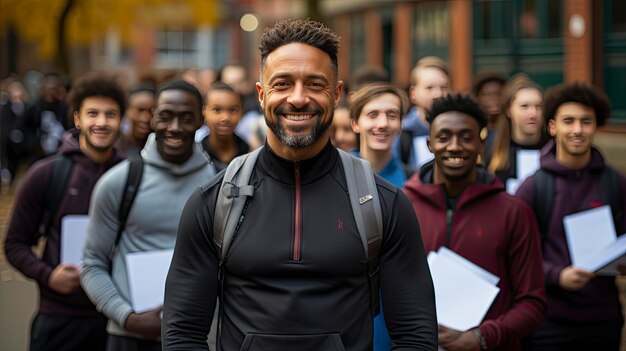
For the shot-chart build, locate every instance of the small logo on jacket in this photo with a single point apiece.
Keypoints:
(364, 199)
(339, 224)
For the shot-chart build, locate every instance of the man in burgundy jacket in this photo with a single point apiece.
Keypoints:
(584, 312)
(66, 319)
(466, 209)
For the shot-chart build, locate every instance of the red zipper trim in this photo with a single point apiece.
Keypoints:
(297, 235)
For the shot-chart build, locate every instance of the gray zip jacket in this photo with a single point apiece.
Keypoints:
(152, 225)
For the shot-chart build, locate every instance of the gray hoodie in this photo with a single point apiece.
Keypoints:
(152, 225)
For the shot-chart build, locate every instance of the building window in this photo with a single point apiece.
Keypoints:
(618, 23)
(492, 19)
(541, 19)
(357, 42)
(431, 29)
(176, 49)
(535, 19)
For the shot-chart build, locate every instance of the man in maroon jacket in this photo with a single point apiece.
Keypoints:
(66, 319)
(583, 308)
(466, 209)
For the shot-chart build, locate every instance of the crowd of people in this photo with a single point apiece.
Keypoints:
(283, 237)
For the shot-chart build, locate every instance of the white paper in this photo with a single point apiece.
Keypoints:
(511, 186)
(73, 237)
(420, 148)
(462, 298)
(476, 269)
(607, 256)
(588, 232)
(527, 163)
(146, 278)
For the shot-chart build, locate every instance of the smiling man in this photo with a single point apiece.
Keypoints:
(583, 309)
(296, 276)
(376, 112)
(174, 166)
(466, 209)
(66, 319)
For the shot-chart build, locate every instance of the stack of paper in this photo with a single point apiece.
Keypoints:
(73, 238)
(592, 242)
(463, 290)
(146, 278)
(528, 162)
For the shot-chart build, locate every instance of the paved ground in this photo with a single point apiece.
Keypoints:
(18, 297)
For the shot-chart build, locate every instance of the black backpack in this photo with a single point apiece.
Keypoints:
(58, 184)
(544, 197)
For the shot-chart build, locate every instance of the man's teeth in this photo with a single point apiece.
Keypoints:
(174, 140)
(298, 117)
(455, 159)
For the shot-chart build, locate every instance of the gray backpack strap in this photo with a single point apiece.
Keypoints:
(367, 212)
(232, 199)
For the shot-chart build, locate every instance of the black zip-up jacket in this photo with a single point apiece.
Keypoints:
(295, 274)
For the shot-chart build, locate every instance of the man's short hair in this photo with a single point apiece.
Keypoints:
(361, 97)
(459, 103)
(482, 79)
(184, 86)
(303, 31)
(578, 92)
(236, 65)
(368, 74)
(96, 84)
(221, 86)
(144, 88)
(429, 62)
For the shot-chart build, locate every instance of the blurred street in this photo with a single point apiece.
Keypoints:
(18, 296)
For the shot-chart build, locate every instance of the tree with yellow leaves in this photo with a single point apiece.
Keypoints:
(53, 25)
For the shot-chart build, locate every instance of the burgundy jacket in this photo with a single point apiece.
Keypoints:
(496, 232)
(575, 190)
(28, 209)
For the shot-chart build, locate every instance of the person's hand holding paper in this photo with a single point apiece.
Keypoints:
(147, 323)
(574, 278)
(593, 246)
(451, 340)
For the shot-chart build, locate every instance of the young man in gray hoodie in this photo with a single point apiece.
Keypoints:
(174, 166)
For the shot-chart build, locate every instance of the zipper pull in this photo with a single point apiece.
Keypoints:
(296, 164)
(449, 215)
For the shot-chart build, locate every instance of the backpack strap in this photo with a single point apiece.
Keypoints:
(230, 208)
(131, 187)
(613, 195)
(366, 209)
(57, 187)
(406, 144)
(231, 200)
(542, 202)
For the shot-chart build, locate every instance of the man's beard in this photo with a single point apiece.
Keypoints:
(298, 141)
(98, 148)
